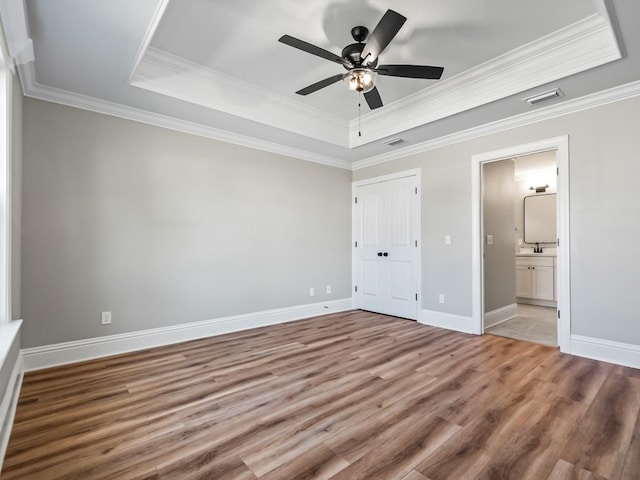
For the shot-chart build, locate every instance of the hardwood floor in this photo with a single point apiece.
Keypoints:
(345, 396)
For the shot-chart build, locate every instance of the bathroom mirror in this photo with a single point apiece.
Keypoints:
(540, 218)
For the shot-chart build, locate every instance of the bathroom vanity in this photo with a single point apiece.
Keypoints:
(536, 278)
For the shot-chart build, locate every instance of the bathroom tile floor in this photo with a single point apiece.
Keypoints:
(533, 324)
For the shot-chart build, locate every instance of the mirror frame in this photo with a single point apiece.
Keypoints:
(524, 220)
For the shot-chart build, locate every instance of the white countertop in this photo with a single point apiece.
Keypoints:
(543, 254)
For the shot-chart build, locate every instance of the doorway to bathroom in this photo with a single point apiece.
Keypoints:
(519, 222)
(520, 254)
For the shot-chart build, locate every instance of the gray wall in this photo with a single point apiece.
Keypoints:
(163, 228)
(499, 221)
(605, 205)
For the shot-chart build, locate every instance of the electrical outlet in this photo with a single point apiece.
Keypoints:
(312, 292)
(106, 318)
(328, 289)
(441, 298)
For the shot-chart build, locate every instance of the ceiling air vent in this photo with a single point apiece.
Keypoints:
(393, 142)
(544, 96)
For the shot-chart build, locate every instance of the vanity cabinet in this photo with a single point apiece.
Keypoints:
(535, 278)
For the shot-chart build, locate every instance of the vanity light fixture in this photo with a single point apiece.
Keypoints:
(539, 189)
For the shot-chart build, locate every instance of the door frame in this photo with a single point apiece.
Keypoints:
(417, 218)
(561, 146)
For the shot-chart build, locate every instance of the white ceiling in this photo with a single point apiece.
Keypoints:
(239, 38)
(216, 68)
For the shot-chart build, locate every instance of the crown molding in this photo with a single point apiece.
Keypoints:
(148, 36)
(590, 40)
(587, 102)
(578, 47)
(176, 77)
(19, 47)
(63, 97)
(598, 99)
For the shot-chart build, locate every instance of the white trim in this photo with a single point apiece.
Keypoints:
(6, 158)
(585, 44)
(9, 405)
(8, 333)
(500, 315)
(84, 102)
(597, 26)
(176, 77)
(148, 36)
(537, 302)
(561, 146)
(9, 400)
(563, 251)
(594, 100)
(415, 172)
(459, 323)
(606, 350)
(5, 58)
(69, 352)
(15, 25)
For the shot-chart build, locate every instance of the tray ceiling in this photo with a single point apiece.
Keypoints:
(216, 68)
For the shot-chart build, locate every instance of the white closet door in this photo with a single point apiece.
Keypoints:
(387, 257)
(370, 205)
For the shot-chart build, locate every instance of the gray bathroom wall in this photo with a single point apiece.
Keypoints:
(499, 222)
(163, 228)
(604, 205)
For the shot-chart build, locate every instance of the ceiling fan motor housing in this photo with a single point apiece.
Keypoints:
(360, 33)
(353, 54)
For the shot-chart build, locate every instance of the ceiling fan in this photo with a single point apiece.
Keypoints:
(361, 59)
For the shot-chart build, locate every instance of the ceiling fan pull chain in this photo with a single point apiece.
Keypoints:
(359, 112)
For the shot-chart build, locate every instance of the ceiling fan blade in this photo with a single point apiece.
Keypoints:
(312, 49)
(387, 28)
(373, 98)
(411, 71)
(321, 84)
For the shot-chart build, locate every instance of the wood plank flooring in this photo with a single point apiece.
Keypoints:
(347, 396)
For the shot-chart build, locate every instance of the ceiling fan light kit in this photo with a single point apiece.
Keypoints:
(361, 60)
(361, 80)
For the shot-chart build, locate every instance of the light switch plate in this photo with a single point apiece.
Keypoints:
(489, 239)
(447, 239)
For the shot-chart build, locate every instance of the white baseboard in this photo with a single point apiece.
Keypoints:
(69, 352)
(500, 315)
(8, 406)
(449, 321)
(606, 351)
(538, 303)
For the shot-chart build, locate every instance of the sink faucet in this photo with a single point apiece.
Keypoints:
(537, 249)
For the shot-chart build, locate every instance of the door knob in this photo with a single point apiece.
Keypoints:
(379, 254)
(386, 254)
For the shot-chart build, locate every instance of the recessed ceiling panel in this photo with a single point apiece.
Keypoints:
(215, 68)
(239, 38)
